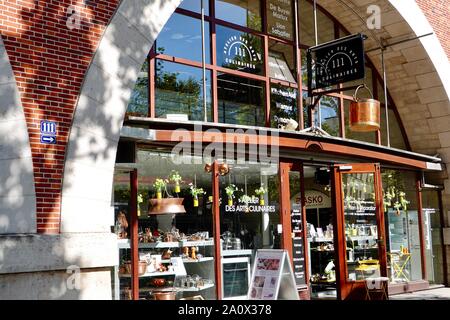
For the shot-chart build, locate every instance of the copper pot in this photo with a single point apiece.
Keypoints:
(164, 295)
(208, 167)
(223, 169)
(364, 113)
(166, 206)
(142, 267)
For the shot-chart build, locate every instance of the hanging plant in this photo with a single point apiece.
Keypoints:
(261, 191)
(175, 177)
(195, 192)
(160, 185)
(397, 206)
(140, 199)
(230, 190)
(403, 201)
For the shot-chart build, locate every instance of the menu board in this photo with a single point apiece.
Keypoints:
(272, 277)
(298, 250)
(280, 18)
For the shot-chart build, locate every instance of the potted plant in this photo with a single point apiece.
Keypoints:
(261, 191)
(195, 192)
(175, 177)
(159, 185)
(230, 190)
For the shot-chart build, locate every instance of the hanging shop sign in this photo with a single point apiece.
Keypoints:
(280, 18)
(336, 62)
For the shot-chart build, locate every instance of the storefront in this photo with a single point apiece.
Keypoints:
(213, 165)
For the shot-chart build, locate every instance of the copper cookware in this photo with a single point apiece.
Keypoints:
(364, 113)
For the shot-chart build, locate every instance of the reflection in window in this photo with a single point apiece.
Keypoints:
(280, 18)
(195, 5)
(239, 50)
(281, 62)
(402, 231)
(138, 105)
(246, 13)
(283, 108)
(329, 115)
(240, 100)
(325, 25)
(349, 134)
(179, 91)
(182, 37)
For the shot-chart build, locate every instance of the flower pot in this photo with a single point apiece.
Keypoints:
(195, 202)
(158, 195)
(261, 200)
(166, 206)
(230, 201)
(177, 188)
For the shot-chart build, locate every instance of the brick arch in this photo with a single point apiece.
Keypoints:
(415, 85)
(17, 191)
(100, 111)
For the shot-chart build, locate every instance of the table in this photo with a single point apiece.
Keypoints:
(377, 285)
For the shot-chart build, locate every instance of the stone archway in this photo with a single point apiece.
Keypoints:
(17, 192)
(416, 85)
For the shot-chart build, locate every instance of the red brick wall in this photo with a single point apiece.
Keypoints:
(49, 61)
(438, 14)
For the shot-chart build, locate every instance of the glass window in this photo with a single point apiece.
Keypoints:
(239, 50)
(395, 132)
(246, 13)
(325, 26)
(179, 91)
(304, 68)
(306, 120)
(349, 134)
(402, 225)
(280, 18)
(138, 105)
(182, 37)
(360, 221)
(282, 62)
(241, 100)
(195, 5)
(283, 107)
(329, 115)
(249, 220)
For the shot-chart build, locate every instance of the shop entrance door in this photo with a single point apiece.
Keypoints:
(359, 228)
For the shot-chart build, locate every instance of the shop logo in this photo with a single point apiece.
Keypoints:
(239, 52)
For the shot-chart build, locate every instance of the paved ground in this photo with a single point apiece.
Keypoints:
(432, 294)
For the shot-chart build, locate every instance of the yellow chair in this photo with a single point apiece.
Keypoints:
(398, 262)
(368, 268)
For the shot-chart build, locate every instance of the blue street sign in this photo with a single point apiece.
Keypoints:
(48, 139)
(48, 127)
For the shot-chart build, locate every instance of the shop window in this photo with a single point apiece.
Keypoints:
(283, 108)
(349, 134)
(195, 5)
(329, 115)
(246, 13)
(182, 37)
(239, 51)
(325, 26)
(402, 226)
(395, 133)
(249, 220)
(241, 101)
(179, 92)
(282, 62)
(304, 68)
(280, 18)
(138, 105)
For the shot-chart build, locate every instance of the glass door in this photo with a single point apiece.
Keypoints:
(360, 227)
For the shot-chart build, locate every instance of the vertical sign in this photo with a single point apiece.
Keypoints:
(298, 250)
(280, 18)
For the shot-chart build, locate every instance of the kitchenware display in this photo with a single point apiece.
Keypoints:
(364, 113)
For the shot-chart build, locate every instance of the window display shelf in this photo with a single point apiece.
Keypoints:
(361, 238)
(195, 289)
(323, 239)
(125, 244)
(149, 274)
(191, 260)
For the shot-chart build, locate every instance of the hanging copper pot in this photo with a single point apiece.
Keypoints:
(223, 169)
(364, 113)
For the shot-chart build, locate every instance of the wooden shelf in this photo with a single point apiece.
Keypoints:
(125, 244)
(191, 260)
(150, 274)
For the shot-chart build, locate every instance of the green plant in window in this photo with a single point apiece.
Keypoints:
(230, 190)
(261, 191)
(176, 178)
(159, 185)
(195, 192)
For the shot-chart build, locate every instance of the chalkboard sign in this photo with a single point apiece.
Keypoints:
(336, 62)
(298, 250)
